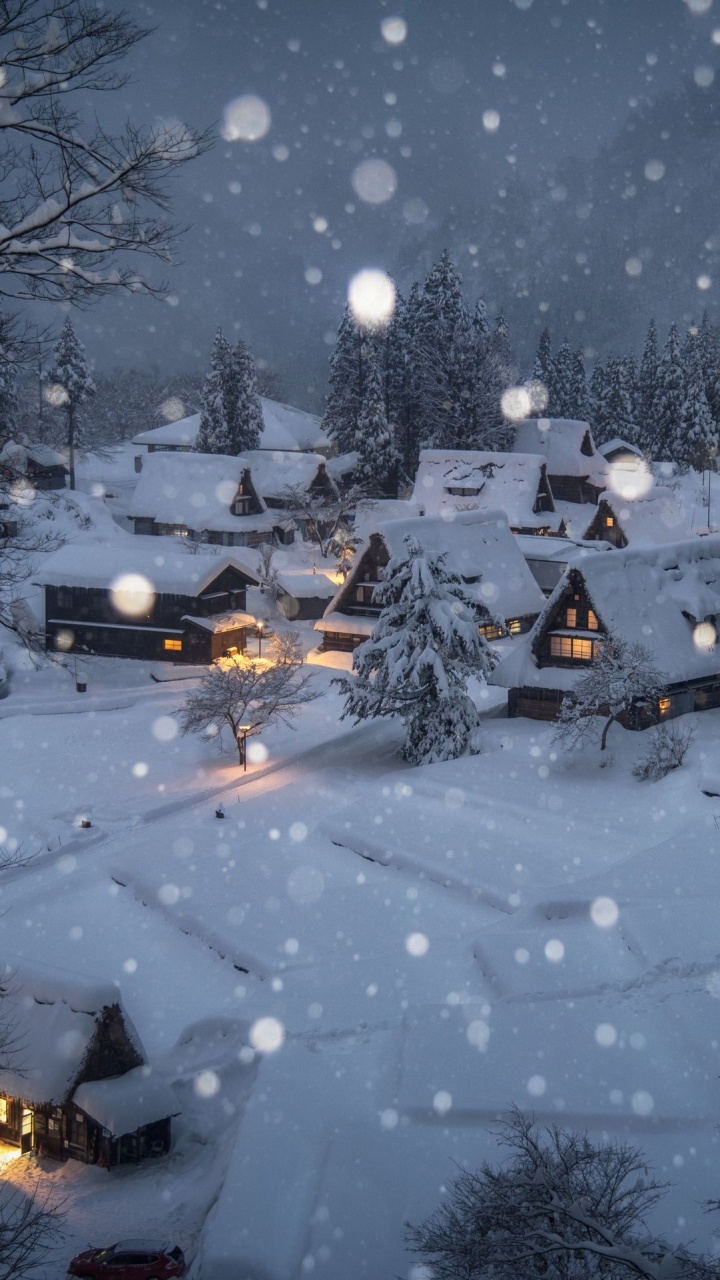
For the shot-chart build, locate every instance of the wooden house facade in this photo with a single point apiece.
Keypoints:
(664, 598)
(479, 547)
(110, 601)
(72, 1037)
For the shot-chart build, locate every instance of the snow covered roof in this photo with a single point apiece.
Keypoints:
(283, 428)
(307, 586)
(479, 545)
(505, 481)
(272, 471)
(16, 455)
(345, 624)
(566, 443)
(221, 622)
(171, 570)
(125, 1103)
(616, 445)
(195, 490)
(342, 464)
(654, 596)
(54, 1017)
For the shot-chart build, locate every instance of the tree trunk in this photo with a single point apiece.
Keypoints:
(603, 740)
(71, 442)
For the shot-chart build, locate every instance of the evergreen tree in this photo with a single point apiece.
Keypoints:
(422, 652)
(213, 434)
(614, 416)
(403, 399)
(562, 402)
(346, 384)
(439, 359)
(244, 410)
(376, 472)
(696, 442)
(544, 369)
(670, 398)
(501, 344)
(647, 391)
(580, 397)
(70, 386)
(597, 404)
(482, 325)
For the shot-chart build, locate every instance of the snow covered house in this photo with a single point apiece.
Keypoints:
(75, 1084)
(576, 471)
(479, 547)
(284, 429)
(44, 467)
(135, 598)
(657, 517)
(617, 450)
(665, 598)
(473, 480)
(273, 473)
(206, 497)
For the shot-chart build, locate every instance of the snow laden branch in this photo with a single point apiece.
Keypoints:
(619, 683)
(420, 657)
(248, 696)
(325, 513)
(78, 204)
(559, 1208)
(30, 1227)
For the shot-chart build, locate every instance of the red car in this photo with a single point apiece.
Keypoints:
(130, 1260)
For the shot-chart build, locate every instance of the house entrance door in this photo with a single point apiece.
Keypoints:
(26, 1131)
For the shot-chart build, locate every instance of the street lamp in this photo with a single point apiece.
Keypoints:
(243, 729)
(260, 626)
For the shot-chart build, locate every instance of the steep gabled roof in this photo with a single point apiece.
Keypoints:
(196, 490)
(652, 596)
(567, 445)
(273, 471)
(54, 1016)
(509, 482)
(479, 547)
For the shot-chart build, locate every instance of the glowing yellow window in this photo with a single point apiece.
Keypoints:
(571, 618)
(592, 621)
(609, 521)
(3, 1111)
(513, 626)
(664, 705)
(174, 645)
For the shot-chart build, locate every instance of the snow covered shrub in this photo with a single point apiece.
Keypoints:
(667, 750)
(559, 1206)
(423, 650)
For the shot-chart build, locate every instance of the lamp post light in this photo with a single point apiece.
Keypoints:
(260, 626)
(243, 729)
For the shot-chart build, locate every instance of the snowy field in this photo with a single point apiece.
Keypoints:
(351, 975)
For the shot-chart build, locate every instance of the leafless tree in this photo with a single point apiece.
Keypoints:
(80, 205)
(22, 540)
(619, 681)
(559, 1206)
(248, 695)
(323, 513)
(30, 1227)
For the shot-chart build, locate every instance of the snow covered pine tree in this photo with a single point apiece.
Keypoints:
(69, 386)
(422, 652)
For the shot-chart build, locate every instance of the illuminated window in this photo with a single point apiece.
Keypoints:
(609, 521)
(3, 1111)
(174, 645)
(664, 705)
(570, 647)
(592, 621)
(571, 618)
(513, 626)
(491, 631)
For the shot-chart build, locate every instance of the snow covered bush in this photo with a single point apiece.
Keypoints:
(246, 695)
(559, 1206)
(621, 679)
(668, 747)
(422, 652)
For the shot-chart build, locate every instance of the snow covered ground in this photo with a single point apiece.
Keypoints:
(352, 974)
(355, 971)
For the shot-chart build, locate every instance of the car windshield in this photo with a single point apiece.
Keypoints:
(102, 1255)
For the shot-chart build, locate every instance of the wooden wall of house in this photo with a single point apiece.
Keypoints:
(339, 641)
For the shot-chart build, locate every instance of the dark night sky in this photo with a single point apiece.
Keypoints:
(564, 75)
